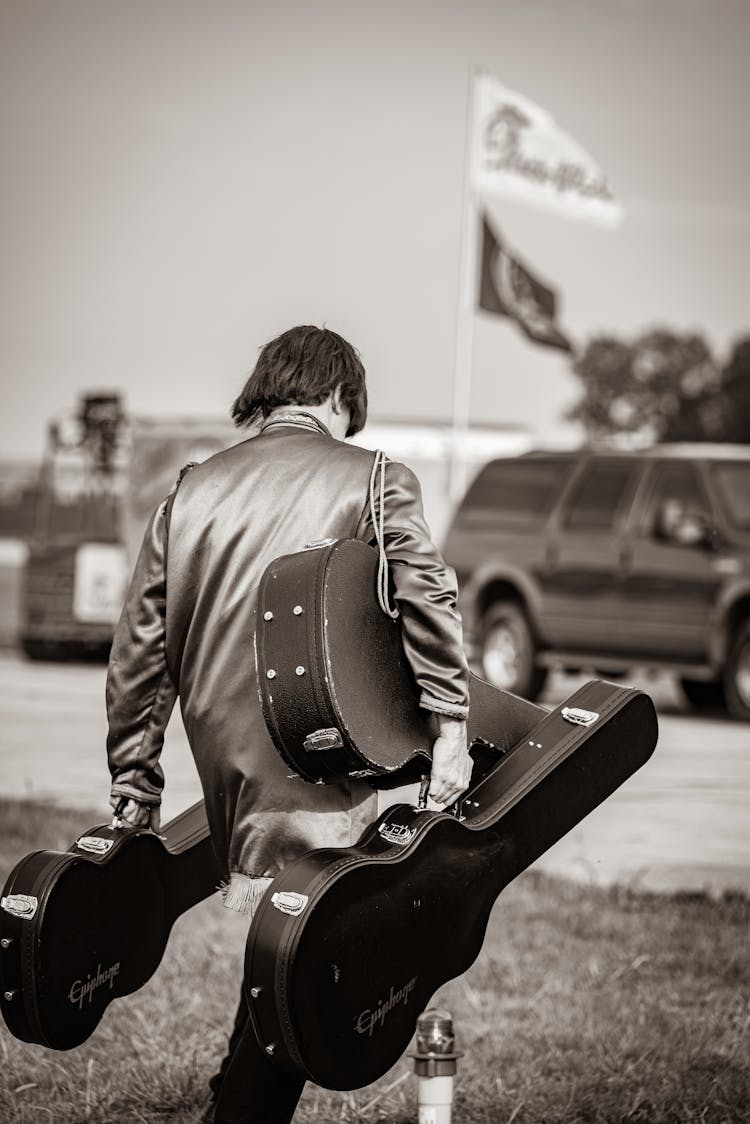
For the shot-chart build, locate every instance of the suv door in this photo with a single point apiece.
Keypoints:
(671, 582)
(582, 600)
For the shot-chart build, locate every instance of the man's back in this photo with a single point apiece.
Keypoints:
(271, 495)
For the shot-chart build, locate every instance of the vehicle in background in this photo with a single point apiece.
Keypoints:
(609, 561)
(75, 571)
(102, 475)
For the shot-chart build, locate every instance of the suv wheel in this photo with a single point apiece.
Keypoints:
(737, 673)
(508, 651)
(704, 694)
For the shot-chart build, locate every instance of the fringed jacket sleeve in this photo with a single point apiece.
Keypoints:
(425, 591)
(140, 693)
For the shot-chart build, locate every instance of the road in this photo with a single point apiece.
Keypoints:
(681, 822)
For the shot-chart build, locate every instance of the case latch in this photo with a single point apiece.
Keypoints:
(399, 833)
(289, 902)
(328, 738)
(579, 717)
(318, 543)
(20, 905)
(94, 844)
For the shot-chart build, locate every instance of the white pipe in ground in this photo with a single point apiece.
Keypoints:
(435, 1066)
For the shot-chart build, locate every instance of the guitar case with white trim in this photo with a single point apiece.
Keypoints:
(348, 945)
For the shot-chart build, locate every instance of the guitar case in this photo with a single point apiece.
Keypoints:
(348, 945)
(79, 928)
(338, 694)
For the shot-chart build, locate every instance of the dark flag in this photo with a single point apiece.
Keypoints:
(508, 289)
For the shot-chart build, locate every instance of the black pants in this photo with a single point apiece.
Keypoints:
(250, 1088)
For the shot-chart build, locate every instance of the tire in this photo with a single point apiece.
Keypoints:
(704, 694)
(737, 673)
(40, 649)
(508, 651)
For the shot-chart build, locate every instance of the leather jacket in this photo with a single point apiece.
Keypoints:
(188, 624)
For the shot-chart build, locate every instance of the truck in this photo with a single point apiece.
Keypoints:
(102, 475)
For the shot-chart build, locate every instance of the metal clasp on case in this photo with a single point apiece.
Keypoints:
(329, 738)
(579, 717)
(287, 901)
(319, 543)
(20, 905)
(94, 844)
(396, 833)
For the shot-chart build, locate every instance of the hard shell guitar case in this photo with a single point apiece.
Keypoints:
(348, 945)
(79, 928)
(338, 694)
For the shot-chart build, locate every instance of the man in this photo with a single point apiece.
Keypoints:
(188, 624)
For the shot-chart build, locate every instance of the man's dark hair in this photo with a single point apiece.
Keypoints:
(303, 367)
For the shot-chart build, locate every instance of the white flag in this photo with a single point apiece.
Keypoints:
(522, 153)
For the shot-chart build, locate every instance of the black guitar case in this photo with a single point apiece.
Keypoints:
(338, 694)
(348, 945)
(79, 928)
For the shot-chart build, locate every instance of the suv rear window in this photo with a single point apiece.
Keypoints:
(516, 492)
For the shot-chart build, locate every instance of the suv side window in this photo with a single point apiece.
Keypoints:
(677, 495)
(596, 497)
(733, 480)
(516, 492)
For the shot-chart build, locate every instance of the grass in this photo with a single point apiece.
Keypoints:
(585, 1005)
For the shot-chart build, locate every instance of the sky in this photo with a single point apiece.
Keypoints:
(184, 179)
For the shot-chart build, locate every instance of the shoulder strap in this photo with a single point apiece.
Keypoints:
(377, 515)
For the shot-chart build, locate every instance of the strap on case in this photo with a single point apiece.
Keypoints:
(378, 521)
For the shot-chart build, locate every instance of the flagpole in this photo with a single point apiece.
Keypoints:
(461, 414)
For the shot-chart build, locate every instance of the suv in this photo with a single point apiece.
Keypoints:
(608, 561)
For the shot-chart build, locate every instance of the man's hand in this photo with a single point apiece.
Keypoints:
(451, 763)
(134, 814)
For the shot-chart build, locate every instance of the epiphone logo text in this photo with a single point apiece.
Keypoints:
(82, 990)
(371, 1019)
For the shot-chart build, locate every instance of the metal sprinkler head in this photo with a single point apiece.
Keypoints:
(435, 1032)
(436, 1052)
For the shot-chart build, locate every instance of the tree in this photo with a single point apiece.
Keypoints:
(736, 392)
(663, 386)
